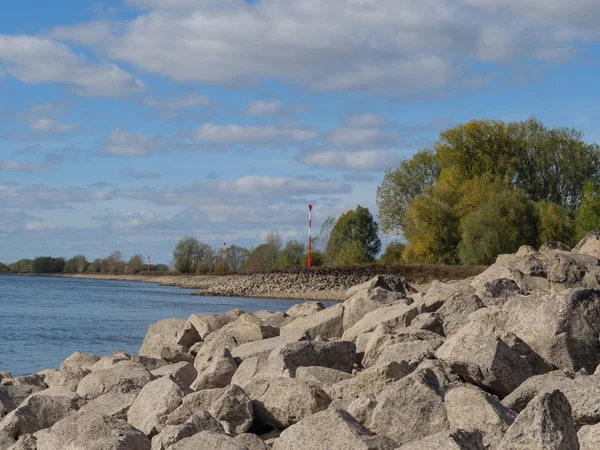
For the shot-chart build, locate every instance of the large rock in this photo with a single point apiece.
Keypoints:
(589, 437)
(455, 311)
(391, 283)
(209, 323)
(370, 381)
(397, 314)
(328, 324)
(564, 328)
(229, 405)
(156, 401)
(170, 339)
(410, 409)
(285, 360)
(412, 353)
(121, 378)
(251, 441)
(40, 410)
(305, 309)
(245, 328)
(483, 353)
(322, 377)
(182, 371)
(79, 360)
(582, 392)
(365, 301)
(440, 292)
(217, 371)
(470, 408)
(589, 245)
(114, 404)
(332, 430)
(281, 402)
(67, 377)
(208, 440)
(545, 424)
(497, 292)
(12, 396)
(266, 346)
(170, 434)
(92, 431)
(453, 439)
(5, 440)
(25, 442)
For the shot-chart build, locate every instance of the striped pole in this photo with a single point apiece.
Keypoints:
(148, 264)
(309, 231)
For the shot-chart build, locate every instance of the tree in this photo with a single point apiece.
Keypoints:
(291, 255)
(114, 263)
(77, 264)
(182, 255)
(263, 257)
(317, 259)
(501, 224)
(400, 186)
(352, 252)
(358, 226)
(236, 257)
(588, 213)
(135, 264)
(555, 224)
(4, 268)
(393, 253)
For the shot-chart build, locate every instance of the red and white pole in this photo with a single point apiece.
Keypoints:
(224, 254)
(309, 231)
(148, 264)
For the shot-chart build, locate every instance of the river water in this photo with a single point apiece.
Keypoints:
(43, 319)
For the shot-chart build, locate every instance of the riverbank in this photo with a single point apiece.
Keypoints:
(320, 284)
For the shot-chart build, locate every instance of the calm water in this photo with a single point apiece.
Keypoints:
(44, 320)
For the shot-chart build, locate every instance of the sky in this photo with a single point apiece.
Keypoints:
(129, 124)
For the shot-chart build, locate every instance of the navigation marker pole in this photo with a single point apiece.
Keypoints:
(309, 231)
(224, 254)
(148, 264)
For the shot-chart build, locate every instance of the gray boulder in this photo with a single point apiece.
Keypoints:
(121, 378)
(429, 321)
(453, 439)
(92, 431)
(170, 339)
(208, 440)
(328, 323)
(440, 292)
(497, 292)
(40, 410)
(251, 441)
(281, 402)
(209, 323)
(589, 245)
(470, 408)
(545, 424)
(397, 314)
(305, 309)
(231, 406)
(410, 409)
(322, 377)
(245, 328)
(332, 430)
(12, 396)
(114, 405)
(455, 311)
(265, 347)
(217, 371)
(181, 371)
(5, 440)
(79, 360)
(367, 300)
(170, 434)
(67, 377)
(589, 437)
(370, 381)
(25, 442)
(158, 399)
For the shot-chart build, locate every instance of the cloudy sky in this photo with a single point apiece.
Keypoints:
(128, 124)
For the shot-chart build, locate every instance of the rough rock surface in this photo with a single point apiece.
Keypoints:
(316, 433)
(122, 378)
(170, 339)
(217, 371)
(453, 439)
(328, 323)
(545, 424)
(208, 440)
(394, 314)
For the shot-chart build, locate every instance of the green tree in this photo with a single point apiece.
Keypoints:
(182, 255)
(4, 268)
(135, 264)
(401, 185)
(352, 252)
(291, 255)
(263, 257)
(501, 224)
(77, 264)
(317, 259)
(358, 226)
(236, 257)
(555, 224)
(393, 253)
(554, 164)
(588, 213)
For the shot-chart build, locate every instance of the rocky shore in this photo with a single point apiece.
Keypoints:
(507, 359)
(321, 284)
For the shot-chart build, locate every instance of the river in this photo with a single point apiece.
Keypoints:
(45, 319)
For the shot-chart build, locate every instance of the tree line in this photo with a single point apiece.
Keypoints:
(488, 187)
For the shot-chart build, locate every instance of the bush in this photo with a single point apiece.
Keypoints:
(393, 253)
(353, 252)
(317, 259)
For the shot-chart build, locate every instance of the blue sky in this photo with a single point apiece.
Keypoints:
(127, 124)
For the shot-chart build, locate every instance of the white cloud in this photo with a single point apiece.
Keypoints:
(260, 107)
(250, 134)
(361, 137)
(365, 120)
(124, 143)
(34, 60)
(17, 166)
(51, 126)
(46, 197)
(366, 160)
(178, 103)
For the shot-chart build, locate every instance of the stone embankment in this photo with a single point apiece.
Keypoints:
(319, 284)
(504, 360)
